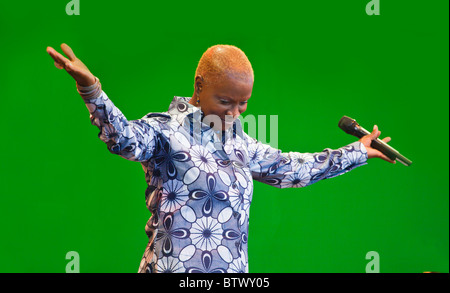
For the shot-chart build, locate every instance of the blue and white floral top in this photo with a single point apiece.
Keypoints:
(200, 187)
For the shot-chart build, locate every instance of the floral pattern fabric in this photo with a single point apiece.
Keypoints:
(200, 186)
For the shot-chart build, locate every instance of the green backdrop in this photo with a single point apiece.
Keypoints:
(314, 61)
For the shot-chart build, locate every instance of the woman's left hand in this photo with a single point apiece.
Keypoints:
(371, 152)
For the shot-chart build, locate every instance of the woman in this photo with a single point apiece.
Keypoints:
(199, 164)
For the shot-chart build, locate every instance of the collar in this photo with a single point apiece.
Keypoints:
(190, 117)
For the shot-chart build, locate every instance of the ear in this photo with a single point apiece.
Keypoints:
(198, 84)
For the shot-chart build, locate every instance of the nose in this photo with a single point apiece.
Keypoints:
(234, 111)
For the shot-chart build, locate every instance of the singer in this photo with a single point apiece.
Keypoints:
(200, 165)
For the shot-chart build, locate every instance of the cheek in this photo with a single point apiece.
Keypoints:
(219, 109)
(212, 109)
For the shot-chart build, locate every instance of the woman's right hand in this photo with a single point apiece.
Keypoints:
(73, 65)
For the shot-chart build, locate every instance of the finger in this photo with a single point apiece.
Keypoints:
(384, 157)
(375, 133)
(59, 66)
(51, 52)
(57, 56)
(386, 139)
(68, 51)
(49, 49)
(388, 160)
(378, 133)
(373, 153)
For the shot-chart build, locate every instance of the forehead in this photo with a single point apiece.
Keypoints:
(233, 88)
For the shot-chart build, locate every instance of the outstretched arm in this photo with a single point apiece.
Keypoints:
(292, 169)
(133, 140)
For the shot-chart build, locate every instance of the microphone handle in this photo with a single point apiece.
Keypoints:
(383, 147)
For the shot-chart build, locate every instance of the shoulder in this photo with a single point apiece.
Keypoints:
(156, 118)
(248, 139)
(154, 121)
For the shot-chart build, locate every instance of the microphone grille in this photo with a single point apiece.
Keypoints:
(348, 124)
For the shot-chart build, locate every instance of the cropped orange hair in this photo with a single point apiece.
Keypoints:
(222, 61)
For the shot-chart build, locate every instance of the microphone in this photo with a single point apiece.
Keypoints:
(351, 127)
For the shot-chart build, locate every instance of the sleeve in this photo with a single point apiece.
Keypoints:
(292, 169)
(132, 140)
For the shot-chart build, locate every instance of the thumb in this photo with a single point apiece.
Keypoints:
(375, 133)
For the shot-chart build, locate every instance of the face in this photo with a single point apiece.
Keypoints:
(223, 101)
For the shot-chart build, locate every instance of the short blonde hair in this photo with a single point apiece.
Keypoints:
(221, 61)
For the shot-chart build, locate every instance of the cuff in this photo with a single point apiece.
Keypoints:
(359, 153)
(90, 92)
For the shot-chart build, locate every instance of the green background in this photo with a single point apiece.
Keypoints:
(314, 61)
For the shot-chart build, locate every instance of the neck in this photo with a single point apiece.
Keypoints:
(193, 100)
